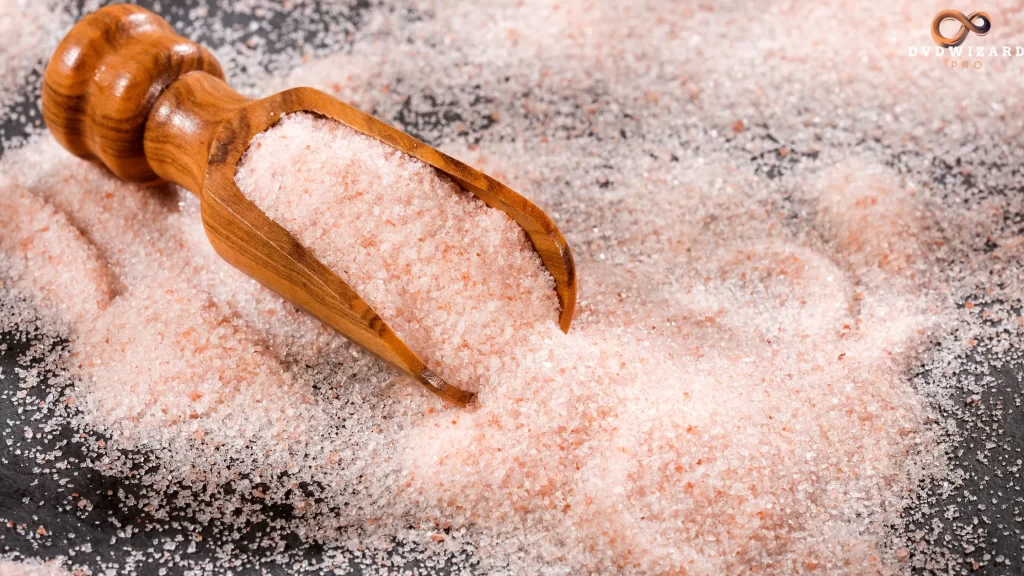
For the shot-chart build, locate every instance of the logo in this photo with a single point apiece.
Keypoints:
(967, 25)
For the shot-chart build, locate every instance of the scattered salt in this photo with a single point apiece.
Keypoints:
(778, 227)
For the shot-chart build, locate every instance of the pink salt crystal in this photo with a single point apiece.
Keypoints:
(32, 568)
(31, 31)
(182, 355)
(455, 279)
(594, 434)
(871, 215)
(38, 233)
(736, 393)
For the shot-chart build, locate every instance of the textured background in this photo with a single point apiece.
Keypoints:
(25, 494)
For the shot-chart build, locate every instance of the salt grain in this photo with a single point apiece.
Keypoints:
(31, 568)
(777, 225)
(597, 437)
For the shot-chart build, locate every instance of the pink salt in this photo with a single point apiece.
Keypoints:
(636, 457)
(31, 568)
(454, 278)
(788, 307)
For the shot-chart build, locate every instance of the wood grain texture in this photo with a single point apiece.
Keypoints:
(124, 89)
(103, 79)
(182, 125)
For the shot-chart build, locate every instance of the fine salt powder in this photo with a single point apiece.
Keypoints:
(617, 444)
(797, 340)
(31, 568)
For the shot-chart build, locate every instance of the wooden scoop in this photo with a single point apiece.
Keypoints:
(151, 106)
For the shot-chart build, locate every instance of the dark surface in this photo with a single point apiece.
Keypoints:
(990, 502)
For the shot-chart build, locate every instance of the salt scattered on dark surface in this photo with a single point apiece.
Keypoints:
(31, 568)
(737, 190)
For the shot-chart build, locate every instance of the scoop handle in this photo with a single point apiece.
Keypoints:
(123, 89)
(112, 91)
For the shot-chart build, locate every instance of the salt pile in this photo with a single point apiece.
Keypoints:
(646, 457)
(31, 568)
(796, 347)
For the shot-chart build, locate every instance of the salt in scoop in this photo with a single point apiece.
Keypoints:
(124, 89)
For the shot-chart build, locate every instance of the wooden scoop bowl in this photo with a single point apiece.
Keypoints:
(124, 89)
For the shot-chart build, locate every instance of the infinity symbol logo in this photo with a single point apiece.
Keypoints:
(967, 25)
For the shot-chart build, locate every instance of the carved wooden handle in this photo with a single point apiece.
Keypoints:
(124, 89)
(104, 79)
